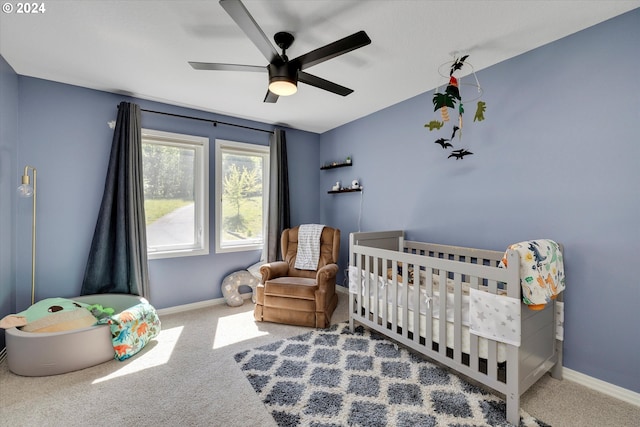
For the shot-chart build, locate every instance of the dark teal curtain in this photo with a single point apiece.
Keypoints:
(279, 210)
(117, 261)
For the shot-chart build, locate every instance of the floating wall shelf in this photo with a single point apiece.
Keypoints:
(345, 190)
(336, 165)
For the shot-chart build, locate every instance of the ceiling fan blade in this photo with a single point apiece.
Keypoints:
(245, 21)
(271, 97)
(339, 47)
(226, 67)
(321, 83)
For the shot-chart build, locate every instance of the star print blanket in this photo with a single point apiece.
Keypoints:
(496, 317)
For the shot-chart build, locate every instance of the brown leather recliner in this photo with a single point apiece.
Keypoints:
(300, 297)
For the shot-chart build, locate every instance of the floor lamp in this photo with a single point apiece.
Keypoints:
(28, 190)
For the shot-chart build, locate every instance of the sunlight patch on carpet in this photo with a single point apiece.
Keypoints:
(243, 326)
(163, 346)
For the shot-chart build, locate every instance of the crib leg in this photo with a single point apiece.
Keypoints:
(556, 371)
(351, 321)
(512, 394)
(513, 408)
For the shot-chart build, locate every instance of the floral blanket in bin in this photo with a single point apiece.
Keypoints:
(132, 329)
(541, 271)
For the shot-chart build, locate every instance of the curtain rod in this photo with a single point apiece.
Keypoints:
(215, 122)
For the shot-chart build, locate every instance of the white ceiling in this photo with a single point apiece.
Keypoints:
(141, 48)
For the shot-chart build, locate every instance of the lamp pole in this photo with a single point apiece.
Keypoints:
(26, 190)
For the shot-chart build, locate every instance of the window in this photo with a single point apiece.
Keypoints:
(176, 193)
(242, 192)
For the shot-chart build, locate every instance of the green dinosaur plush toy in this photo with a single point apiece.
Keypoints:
(51, 315)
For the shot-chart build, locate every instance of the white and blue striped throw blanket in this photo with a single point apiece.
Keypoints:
(308, 246)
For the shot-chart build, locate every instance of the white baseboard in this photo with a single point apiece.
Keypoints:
(197, 305)
(601, 386)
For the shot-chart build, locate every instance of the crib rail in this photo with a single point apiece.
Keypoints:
(408, 314)
(414, 293)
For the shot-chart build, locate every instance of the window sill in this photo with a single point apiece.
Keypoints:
(177, 253)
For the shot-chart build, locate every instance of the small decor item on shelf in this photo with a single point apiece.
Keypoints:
(336, 187)
(348, 161)
(355, 184)
(452, 98)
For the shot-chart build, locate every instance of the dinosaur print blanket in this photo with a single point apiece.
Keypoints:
(132, 329)
(541, 271)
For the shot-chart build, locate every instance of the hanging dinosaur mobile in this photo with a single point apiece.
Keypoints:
(480, 111)
(434, 124)
(451, 98)
(443, 142)
(458, 154)
(455, 129)
(457, 64)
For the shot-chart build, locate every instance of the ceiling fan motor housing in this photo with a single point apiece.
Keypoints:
(287, 71)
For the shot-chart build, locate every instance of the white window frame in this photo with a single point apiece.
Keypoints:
(201, 191)
(225, 146)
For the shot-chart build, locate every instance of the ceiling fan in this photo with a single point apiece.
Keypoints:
(284, 74)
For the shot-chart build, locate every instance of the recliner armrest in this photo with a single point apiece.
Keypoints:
(327, 275)
(274, 270)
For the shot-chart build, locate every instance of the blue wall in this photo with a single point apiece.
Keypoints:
(63, 132)
(558, 157)
(8, 183)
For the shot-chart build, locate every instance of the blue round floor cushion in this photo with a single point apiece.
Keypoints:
(232, 282)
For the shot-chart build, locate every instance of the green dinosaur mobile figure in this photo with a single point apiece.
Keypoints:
(434, 124)
(482, 106)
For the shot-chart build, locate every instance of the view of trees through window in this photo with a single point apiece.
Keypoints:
(242, 198)
(168, 172)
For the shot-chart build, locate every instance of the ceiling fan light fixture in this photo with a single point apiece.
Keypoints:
(284, 74)
(283, 86)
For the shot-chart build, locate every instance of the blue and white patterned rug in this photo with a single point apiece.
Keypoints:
(331, 378)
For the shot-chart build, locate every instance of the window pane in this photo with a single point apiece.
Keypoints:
(242, 199)
(242, 192)
(175, 176)
(169, 195)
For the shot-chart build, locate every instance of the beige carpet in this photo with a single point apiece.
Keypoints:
(187, 376)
